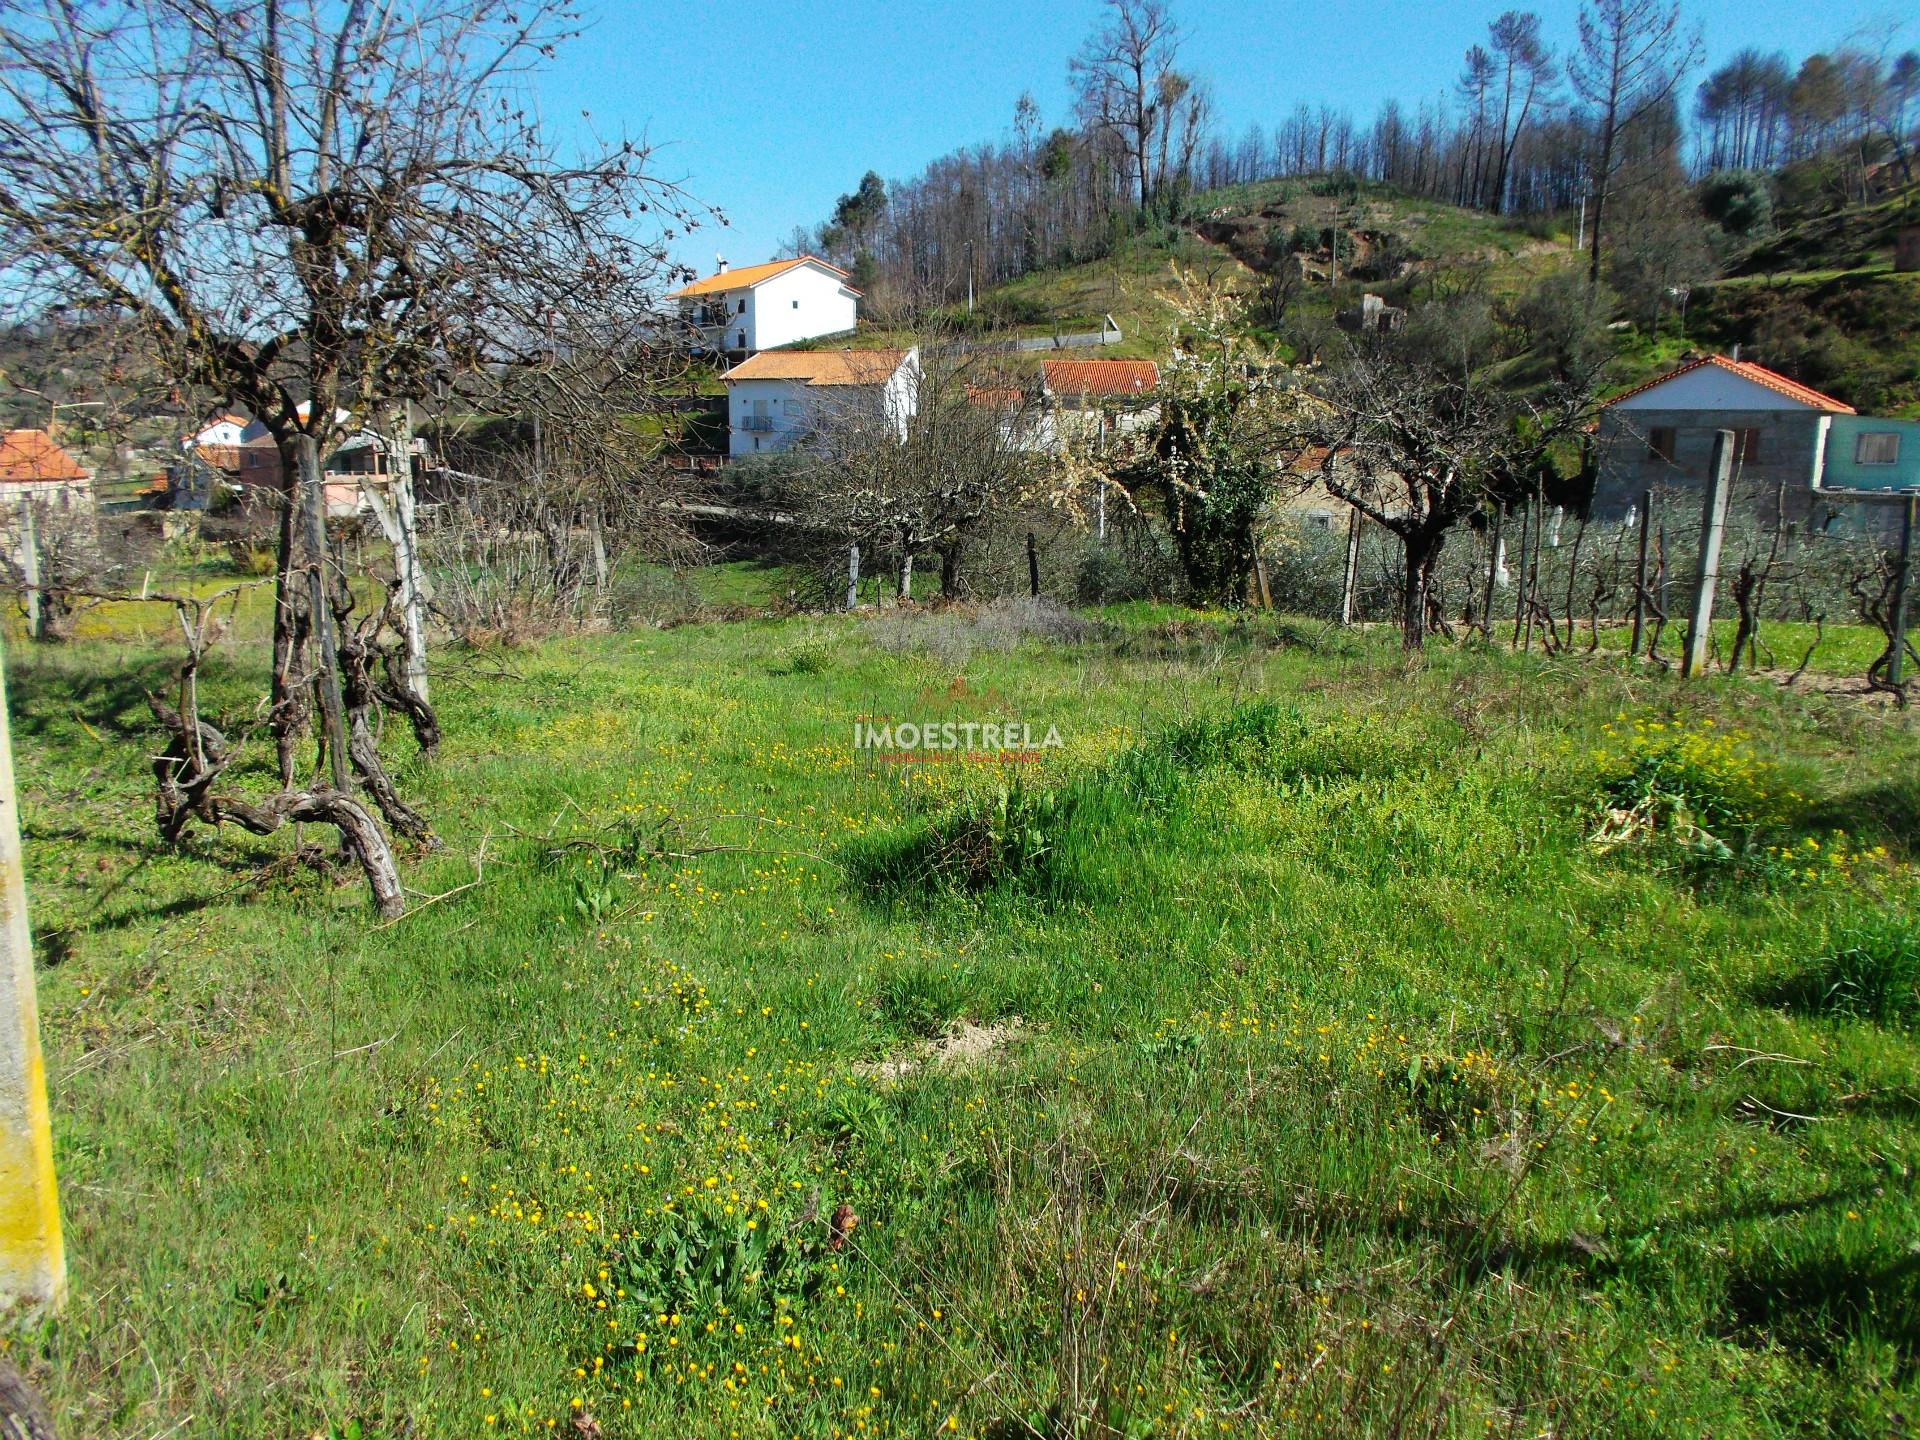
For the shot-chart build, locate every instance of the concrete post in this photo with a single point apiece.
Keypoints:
(853, 577)
(30, 571)
(33, 1264)
(1713, 525)
(1350, 579)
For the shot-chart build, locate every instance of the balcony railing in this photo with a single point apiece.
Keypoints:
(757, 422)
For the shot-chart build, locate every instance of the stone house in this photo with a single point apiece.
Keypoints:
(1659, 437)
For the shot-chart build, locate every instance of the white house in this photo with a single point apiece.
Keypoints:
(762, 307)
(776, 397)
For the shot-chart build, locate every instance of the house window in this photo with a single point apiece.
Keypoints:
(796, 304)
(1749, 453)
(742, 341)
(743, 308)
(1876, 447)
(1660, 443)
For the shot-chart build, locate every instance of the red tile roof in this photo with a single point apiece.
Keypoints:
(28, 455)
(1101, 377)
(1747, 370)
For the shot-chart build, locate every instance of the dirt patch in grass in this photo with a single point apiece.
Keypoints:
(961, 1046)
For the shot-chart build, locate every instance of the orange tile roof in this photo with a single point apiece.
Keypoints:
(749, 276)
(820, 367)
(1747, 370)
(1101, 377)
(27, 455)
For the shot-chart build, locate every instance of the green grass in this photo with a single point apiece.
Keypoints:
(1294, 1061)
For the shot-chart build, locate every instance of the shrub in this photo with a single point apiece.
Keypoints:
(1740, 202)
(1132, 565)
(647, 595)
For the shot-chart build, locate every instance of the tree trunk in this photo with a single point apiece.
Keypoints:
(904, 590)
(313, 510)
(283, 702)
(1422, 551)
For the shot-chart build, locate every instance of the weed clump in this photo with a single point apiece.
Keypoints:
(1026, 833)
(1699, 787)
(1874, 975)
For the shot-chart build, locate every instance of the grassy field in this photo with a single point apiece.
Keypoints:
(1303, 1045)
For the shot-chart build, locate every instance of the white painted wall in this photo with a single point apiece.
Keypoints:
(1709, 388)
(805, 303)
(782, 404)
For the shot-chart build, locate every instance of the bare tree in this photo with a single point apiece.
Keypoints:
(1128, 87)
(923, 472)
(313, 211)
(1417, 446)
(1526, 80)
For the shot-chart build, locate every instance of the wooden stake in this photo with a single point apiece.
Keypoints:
(1902, 577)
(1640, 574)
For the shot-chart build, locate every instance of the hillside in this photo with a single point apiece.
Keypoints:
(1815, 297)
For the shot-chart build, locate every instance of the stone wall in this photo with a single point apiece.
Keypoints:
(1780, 450)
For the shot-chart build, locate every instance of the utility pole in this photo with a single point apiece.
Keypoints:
(1713, 524)
(33, 1264)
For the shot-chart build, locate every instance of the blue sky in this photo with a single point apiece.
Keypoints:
(770, 110)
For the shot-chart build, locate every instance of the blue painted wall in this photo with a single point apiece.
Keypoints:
(1843, 472)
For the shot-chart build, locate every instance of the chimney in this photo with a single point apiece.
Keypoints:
(720, 264)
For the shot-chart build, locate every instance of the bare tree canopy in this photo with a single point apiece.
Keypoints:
(317, 211)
